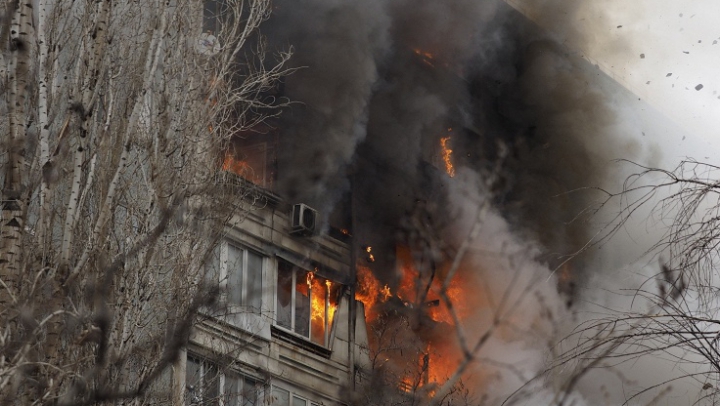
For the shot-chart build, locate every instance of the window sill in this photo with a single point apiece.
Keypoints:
(250, 190)
(302, 342)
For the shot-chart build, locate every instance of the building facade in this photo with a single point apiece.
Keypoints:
(290, 332)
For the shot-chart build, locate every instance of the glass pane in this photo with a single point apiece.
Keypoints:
(280, 397)
(211, 383)
(298, 401)
(212, 268)
(284, 294)
(302, 304)
(232, 391)
(234, 275)
(250, 393)
(210, 17)
(254, 281)
(192, 381)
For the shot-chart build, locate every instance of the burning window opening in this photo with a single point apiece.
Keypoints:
(411, 326)
(306, 303)
(252, 156)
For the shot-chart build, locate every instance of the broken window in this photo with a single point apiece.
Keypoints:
(206, 385)
(306, 302)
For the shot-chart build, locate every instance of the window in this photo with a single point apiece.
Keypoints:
(249, 162)
(252, 155)
(282, 397)
(306, 303)
(213, 13)
(239, 272)
(205, 385)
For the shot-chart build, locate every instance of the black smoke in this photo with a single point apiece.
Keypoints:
(380, 82)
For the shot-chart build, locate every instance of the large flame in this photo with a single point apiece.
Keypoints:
(425, 290)
(433, 357)
(323, 304)
(413, 290)
(370, 292)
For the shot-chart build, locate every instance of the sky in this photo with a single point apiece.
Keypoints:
(661, 50)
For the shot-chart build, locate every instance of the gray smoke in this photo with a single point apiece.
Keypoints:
(390, 76)
(381, 81)
(337, 47)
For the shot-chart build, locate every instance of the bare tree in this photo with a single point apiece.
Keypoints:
(115, 118)
(675, 313)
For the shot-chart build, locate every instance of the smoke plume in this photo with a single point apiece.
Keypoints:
(380, 82)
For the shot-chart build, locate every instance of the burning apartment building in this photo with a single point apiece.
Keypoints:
(361, 259)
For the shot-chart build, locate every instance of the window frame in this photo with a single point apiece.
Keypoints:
(329, 330)
(224, 276)
(292, 395)
(221, 376)
(219, 8)
(244, 315)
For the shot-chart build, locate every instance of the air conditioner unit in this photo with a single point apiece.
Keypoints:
(207, 44)
(304, 220)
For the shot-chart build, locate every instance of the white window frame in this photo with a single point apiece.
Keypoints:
(204, 363)
(225, 277)
(292, 395)
(256, 320)
(328, 331)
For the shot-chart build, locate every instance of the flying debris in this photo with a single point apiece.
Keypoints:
(668, 75)
(698, 87)
(642, 56)
(686, 52)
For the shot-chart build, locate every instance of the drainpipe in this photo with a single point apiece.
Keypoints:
(353, 285)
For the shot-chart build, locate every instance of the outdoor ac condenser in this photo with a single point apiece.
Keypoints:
(304, 220)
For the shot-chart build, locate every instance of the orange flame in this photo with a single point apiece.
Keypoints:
(437, 357)
(427, 57)
(370, 292)
(447, 155)
(323, 304)
(237, 167)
